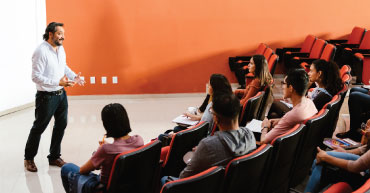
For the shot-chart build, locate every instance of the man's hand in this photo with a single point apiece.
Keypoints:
(65, 82)
(274, 122)
(266, 123)
(320, 155)
(78, 79)
(339, 149)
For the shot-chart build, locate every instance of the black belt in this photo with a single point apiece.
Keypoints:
(58, 92)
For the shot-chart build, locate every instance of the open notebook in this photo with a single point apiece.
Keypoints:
(184, 121)
(255, 125)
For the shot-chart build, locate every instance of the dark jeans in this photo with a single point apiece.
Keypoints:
(48, 105)
(278, 110)
(358, 103)
(166, 134)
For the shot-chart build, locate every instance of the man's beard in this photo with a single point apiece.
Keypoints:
(56, 42)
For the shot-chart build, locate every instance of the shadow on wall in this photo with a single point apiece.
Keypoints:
(186, 76)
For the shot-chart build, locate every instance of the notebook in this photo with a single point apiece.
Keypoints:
(255, 125)
(184, 121)
(345, 143)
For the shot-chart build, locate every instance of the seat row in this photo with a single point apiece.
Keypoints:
(342, 187)
(274, 167)
(355, 51)
(270, 168)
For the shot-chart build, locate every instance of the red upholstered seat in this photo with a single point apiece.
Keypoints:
(345, 70)
(250, 109)
(313, 137)
(340, 187)
(248, 171)
(356, 35)
(135, 170)
(285, 150)
(208, 181)
(240, 61)
(181, 143)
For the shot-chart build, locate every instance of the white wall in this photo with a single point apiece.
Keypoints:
(22, 25)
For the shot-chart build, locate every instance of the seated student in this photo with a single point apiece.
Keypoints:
(259, 68)
(354, 161)
(117, 125)
(294, 87)
(217, 83)
(358, 104)
(327, 78)
(230, 142)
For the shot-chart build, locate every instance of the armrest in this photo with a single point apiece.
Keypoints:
(362, 51)
(307, 60)
(336, 41)
(350, 45)
(281, 51)
(291, 49)
(331, 173)
(299, 54)
(243, 58)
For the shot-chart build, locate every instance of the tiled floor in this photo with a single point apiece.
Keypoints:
(149, 116)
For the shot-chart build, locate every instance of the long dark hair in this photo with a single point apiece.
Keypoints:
(261, 70)
(330, 76)
(115, 120)
(220, 84)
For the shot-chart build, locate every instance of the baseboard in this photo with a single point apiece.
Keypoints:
(18, 108)
(135, 96)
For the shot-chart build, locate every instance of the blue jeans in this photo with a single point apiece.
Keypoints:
(165, 178)
(74, 182)
(314, 181)
(47, 106)
(358, 103)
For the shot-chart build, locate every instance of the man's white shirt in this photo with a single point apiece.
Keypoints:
(48, 67)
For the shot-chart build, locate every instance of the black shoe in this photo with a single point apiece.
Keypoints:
(57, 162)
(351, 135)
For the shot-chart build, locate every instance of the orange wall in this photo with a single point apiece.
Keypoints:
(173, 46)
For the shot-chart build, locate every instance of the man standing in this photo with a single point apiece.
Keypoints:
(50, 73)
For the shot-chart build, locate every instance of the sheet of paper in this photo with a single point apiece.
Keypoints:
(182, 119)
(255, 125)
(366, 86)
